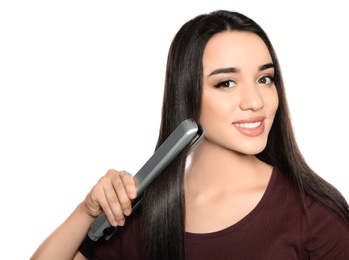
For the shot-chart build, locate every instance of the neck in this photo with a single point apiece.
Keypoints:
(217, 168)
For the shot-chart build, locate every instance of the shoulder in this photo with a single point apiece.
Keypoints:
(284, 190)
(324, 235)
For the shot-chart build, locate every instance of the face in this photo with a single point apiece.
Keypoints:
(239, 99)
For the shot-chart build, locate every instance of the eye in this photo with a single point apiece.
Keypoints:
(267, 80)
(226, 84)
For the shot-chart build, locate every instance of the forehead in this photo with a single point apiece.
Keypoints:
(237, 49)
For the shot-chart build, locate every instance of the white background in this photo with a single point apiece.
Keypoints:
(81, 91)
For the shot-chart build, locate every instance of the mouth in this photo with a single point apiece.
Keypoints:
(248, 125)
(251, 127)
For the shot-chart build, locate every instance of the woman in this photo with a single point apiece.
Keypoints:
(247, 193)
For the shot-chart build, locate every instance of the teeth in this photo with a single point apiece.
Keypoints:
(249, 125)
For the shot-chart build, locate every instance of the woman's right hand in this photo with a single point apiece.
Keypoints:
(112, 194)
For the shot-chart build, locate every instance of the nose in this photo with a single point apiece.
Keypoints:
(251, 98)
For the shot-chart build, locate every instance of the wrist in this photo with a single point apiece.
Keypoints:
(84, 211)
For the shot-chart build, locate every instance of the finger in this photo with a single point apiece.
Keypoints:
(109, 213)
(129, 184)
(121, 192)
(113, 203)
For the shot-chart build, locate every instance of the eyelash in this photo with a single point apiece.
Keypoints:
(226, 83)
(223, 84)
(270, 78)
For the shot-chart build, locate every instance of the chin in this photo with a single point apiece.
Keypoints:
(252, 149)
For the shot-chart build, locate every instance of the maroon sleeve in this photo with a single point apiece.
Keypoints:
(329, 236)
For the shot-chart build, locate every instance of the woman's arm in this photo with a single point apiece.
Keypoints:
(112, 194)
(63, 243)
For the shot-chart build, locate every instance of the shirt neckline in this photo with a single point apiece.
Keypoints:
(245, 219)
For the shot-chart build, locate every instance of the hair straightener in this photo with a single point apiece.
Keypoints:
(187, 132)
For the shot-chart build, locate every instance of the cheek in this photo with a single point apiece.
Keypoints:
(272, 106)
(274, 102)
(209, 108)
(211, 112)
(215, 106)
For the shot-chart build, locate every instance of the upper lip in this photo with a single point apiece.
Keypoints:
(250, 120)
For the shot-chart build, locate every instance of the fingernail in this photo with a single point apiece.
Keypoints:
(114, 223)
(127, 212)
(132, 194)
(121, 222)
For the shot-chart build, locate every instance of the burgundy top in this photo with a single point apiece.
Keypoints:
(277, 228)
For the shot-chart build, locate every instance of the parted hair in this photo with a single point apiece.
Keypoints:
(163, 208)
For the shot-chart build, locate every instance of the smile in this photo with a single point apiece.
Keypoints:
(252, 127)
(248, 125)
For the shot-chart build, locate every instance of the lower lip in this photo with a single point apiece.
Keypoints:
(252, 132)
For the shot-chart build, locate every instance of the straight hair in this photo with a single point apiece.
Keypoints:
(163, 209)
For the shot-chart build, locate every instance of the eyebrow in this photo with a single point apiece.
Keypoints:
(235, 70)
(266, 66)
